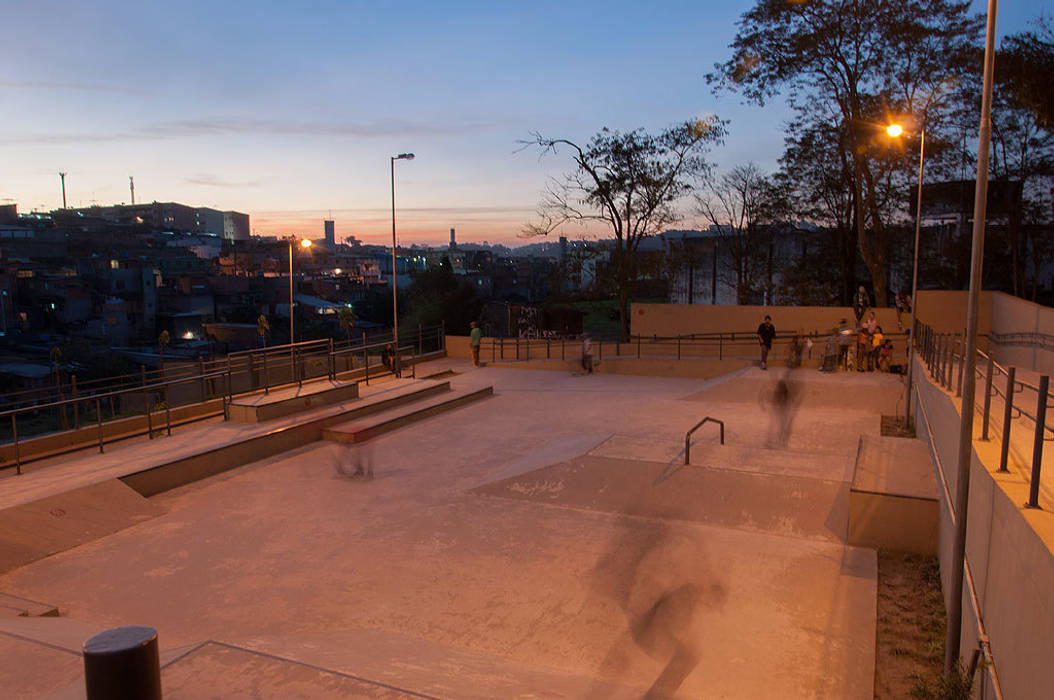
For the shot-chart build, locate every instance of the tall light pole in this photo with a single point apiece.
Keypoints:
(395, 300)
(962, 496)
(895, 130)
(62, 176)
(305, 244)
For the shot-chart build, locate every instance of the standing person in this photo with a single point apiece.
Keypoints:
(863, 349)
(872, 323)
(475, 337)
(861, 303)
(587, 353)
(845, 339)
(903, 307)
(877, 340)
(766, 332)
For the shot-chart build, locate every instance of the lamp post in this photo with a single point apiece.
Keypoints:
(895, 130)
(395, 300)
(305, 244)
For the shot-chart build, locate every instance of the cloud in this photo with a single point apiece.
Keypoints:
(198, 128)
(79, 87)
(212, 181)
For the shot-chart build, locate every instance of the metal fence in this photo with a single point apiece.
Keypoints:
(90, 414)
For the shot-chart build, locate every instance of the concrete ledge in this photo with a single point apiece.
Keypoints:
(360, 431)
(893, 499)
(262, 407)
(646, 366)
(23, 607)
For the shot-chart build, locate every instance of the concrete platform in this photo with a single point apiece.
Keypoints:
(415, 575)
(893, 499)
(363, 429)
(283, 402)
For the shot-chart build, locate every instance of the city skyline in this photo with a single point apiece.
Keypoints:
(265, 109)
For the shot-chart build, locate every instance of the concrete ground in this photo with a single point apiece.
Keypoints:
(540, 543)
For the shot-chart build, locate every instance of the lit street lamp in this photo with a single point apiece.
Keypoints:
(894, 131)
(305, 244)
(395, 300)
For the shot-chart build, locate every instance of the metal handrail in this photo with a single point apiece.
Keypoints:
(688, 435)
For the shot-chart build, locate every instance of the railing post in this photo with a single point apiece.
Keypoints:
(678, 347)
(638, 347)
(98, 421)
(267, 376)
(14, 436)
(365, 358)
(227, 400)
(501, 347)
(332, 364)
(419, 345)
(76, 404)
(600, 351)
(548, 354)
(1037, 444)
(201, 373)
(168, 413)
(442, 330)
(563, 355)
(1008, 408)
(962, 367)
(527, 348)
(517, 346)
(986, 413)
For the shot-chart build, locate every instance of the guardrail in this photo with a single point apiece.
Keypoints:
(237, 374)
(943, 355)
(688, 435)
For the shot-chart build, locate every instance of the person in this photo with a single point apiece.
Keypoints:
(389, 360)
(845, 339)
(794, 352)
(877, 341)
(861, 303)
(475, 337)
(903, 307)
(885, 356)
(587, 353)
(766, 332)
(863, 349)
(872, 323)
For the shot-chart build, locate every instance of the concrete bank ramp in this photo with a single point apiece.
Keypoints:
(777, 503)
(34, 530)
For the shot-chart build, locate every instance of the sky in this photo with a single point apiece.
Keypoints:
(289, 111)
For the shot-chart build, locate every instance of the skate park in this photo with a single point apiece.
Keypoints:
(526, 533)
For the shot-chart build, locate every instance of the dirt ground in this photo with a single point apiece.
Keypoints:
(893, 426)
(910, 631)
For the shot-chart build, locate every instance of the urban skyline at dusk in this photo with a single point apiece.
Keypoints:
(292, 116)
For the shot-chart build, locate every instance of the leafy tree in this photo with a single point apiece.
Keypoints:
(629, 182)
(851, 64)
(437, 295)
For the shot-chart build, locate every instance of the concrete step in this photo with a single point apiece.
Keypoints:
(356, 431)
(283, 402)
(16, 606)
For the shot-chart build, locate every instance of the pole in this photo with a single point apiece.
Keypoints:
(291, 337)
(962, 501)
(914, 284)
(395, 296)
(1037, 444)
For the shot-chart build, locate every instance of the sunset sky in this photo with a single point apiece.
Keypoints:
(289, 111)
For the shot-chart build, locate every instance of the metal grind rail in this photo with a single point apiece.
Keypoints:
(942, 357)
(688, 435)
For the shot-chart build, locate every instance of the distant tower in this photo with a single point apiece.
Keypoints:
(63, 177)
(331, 234)
(563, 248)
(453, 242)
(131, 186)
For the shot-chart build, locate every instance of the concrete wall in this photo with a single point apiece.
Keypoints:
(945, 310)
(1010, 551)
(1013, 315)
(683, 319)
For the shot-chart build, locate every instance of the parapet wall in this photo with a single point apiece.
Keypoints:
(666, 320)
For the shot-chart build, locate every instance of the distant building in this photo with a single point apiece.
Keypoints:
(331, 234)
(453, 241)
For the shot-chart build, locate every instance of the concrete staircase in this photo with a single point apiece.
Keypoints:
(361, 429)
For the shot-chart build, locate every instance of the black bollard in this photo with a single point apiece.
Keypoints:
(122, 664)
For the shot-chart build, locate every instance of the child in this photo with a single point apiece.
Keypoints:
(885, 355)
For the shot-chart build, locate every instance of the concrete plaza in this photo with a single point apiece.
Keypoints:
(545, 542)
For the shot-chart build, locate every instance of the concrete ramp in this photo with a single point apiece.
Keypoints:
(776, 503)
(34, 530)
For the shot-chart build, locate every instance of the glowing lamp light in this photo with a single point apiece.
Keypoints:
(305, 243)
(894, 130)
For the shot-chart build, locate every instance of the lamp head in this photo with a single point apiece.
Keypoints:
(894, 130)
(404, 156)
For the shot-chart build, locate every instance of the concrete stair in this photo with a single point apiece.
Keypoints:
(360, 430)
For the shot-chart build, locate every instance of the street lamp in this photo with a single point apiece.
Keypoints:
(305, 244)
(894, 131)
(395, 300)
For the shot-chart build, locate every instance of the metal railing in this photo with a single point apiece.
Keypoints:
(726, 345)
(237, 374)
(688, 435)
(943, 355)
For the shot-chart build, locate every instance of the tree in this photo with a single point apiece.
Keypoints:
(853, 63)
(630, 182)
(162, 342)
(263, 328)
(347, 321)
(736, 205)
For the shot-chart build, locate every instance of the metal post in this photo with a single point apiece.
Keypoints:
(227, 401)
(442, 329)
(563, 355)
(986, 414)
(517, 347)
(201, 373)
(122, 664)
(267, 376)
(365, 358)
(332, 364)
(501, 347)
(1008, 409)
(168, 413)
(14, 436)
(548, 354)
(962, 366)
(76, 404)
(678, 347)
(638, 347)
(914, 281)
(98, 421)
(1037, 444)
(527, 347)
(419, 341)
(958, 559)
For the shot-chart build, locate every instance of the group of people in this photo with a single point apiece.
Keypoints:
(863, 347)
